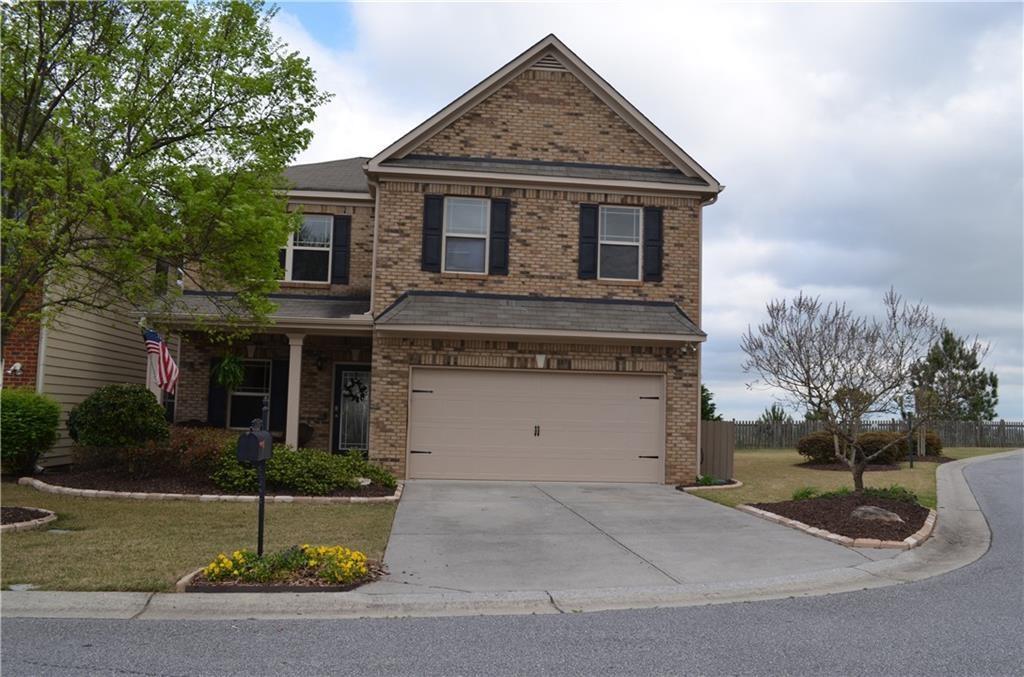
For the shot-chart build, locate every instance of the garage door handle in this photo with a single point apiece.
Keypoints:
(418, 390)
(415, 451)
(649, 397)
(648, 456)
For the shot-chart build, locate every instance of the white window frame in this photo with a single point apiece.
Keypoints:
(232, 393)
(291, 247)
(639, 243)
(486, 237)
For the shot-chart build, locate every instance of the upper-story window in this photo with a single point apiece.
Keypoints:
(466, 229)
(307, 256)
(619, 250)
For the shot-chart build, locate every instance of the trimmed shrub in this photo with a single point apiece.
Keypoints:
(818, 447)
(198, 449)
(120, 415)
(309, 472)
(28, 427)
(895, 492)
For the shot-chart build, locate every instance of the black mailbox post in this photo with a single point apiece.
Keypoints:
(255, 447)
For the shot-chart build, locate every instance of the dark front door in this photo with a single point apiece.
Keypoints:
(351, 407)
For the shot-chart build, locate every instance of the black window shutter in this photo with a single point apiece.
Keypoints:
(341, 249)
(216, 399)
(433, 224)
(588, 242)
(278, 394)
(653, 244)
(500, 232)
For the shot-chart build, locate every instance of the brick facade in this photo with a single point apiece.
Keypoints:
(549, 116)
(543, 249)
(361, 253)
(393, 357)
(22, 345)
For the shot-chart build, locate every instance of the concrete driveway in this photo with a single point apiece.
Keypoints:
(500, 536)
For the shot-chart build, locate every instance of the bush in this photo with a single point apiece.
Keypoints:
(198, 449)
(118, 416)
(804, 493)
(841, 492)
(28, 427)
(818, 447)
(893, 493)
(309, 472)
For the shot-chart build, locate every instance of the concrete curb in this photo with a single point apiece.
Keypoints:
(713, 487)
(205, 498)
(961, 536)
(911, 541)
(29, 524)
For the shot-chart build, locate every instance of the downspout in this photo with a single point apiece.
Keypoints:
(700, 304)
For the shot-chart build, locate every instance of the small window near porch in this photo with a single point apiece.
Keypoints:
(245, 402)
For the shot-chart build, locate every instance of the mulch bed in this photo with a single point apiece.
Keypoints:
(680, 487)
(302, 581)
(13, 515)
(108, 480)
(811, 465)
(833, 514)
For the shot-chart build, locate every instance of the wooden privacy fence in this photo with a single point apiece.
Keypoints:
(758, 435)
(717, 442)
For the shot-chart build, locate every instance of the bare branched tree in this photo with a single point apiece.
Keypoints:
(825, 358)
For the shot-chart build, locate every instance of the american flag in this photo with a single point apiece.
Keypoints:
(166, 369)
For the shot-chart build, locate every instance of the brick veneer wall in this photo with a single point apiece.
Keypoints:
(549, 116)
(22, 345)
(543, 250)
(316, 399)
(393, 357)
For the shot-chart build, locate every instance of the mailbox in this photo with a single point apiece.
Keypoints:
(255, 445)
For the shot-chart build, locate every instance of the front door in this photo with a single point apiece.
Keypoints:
(351, 407)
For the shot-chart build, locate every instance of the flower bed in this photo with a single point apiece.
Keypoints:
(19, 518)
(305, 567)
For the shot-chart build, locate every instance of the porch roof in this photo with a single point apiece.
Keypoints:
(497, 314)
(293, 310)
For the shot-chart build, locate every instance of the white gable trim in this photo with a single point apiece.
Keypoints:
(550, 45)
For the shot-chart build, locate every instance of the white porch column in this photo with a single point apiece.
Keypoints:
(291, 425)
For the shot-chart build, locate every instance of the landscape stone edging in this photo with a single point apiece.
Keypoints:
(205, 498)
(30, 524)
(712, 487)
(912, 541)
(186, 580)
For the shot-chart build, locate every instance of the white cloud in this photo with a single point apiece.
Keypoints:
(863, 145)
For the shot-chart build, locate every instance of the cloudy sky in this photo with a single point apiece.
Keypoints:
(861, 146)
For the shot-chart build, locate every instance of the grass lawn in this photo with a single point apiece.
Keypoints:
(148, 545)
(774, 474)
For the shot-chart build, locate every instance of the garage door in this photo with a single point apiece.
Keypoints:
(521, 425)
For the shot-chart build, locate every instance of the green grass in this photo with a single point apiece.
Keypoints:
(774, 474)
(148, 545)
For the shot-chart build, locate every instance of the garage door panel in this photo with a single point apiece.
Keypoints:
(480, 424)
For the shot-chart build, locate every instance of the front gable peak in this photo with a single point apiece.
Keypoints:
(546, 108)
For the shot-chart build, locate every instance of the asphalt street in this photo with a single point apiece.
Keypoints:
(967, 622)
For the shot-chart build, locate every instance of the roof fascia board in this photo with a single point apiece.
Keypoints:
(544, 181)
(604, 91)
(492, 332)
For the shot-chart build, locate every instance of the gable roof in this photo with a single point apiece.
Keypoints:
(550, 53)
(344, 176)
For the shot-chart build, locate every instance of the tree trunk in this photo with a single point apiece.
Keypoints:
(858, 475)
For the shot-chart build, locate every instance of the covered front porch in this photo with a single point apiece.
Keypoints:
(312, 362)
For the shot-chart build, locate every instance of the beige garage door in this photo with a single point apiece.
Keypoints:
(521, 425)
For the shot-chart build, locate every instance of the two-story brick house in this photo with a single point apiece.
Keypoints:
(509, 291)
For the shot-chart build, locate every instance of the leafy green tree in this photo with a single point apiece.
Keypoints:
(140, 137)
(707, 405)
(950, 382)
(775, 414)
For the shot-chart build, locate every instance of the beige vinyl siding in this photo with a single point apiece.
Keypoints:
(83, 351)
